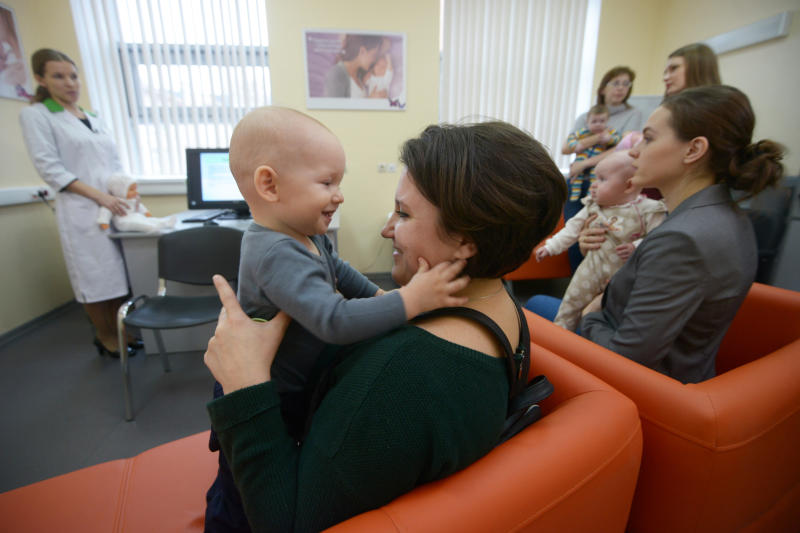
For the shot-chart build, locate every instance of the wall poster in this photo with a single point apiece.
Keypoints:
(355, 70)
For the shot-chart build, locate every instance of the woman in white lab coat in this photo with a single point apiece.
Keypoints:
(74, 154)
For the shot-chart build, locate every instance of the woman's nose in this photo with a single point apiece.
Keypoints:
(388, 229)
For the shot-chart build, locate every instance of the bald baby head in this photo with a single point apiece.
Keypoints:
(276, 137)
(617, 164)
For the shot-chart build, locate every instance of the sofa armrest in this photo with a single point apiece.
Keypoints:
(661, 400)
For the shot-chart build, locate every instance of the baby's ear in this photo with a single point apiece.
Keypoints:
(629, 185)
(265, 181)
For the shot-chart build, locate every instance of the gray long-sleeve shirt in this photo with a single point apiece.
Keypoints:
(277, 272)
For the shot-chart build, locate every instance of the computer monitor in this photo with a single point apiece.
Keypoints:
(210, 184)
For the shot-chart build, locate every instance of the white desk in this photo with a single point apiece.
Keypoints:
(141, 260)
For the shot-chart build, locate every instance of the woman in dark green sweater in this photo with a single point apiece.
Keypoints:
(428, 398)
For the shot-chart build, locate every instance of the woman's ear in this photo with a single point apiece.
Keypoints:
(466, 249)
(696, 149)
(265, 181)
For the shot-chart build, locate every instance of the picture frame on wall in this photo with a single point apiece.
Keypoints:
(15, 81)
(355, 69)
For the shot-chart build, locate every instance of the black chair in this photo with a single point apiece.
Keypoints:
(769, 213)
(190, 256)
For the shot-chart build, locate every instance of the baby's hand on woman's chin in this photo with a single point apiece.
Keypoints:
(432, 288)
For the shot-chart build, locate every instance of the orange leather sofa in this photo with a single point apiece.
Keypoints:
(573, 470)
(724, 454)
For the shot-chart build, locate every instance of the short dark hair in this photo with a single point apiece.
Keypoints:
(493, 184)
(723, 115)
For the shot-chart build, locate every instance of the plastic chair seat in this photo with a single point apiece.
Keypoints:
(171, 312)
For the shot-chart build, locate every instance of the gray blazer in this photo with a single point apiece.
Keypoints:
(670, 305)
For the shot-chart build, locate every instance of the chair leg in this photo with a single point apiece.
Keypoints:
(164, 356)
(123, 361)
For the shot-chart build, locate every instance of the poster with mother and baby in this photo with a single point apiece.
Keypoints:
(355, 70)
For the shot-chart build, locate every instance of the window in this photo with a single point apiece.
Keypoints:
(171, 74)
(527, 62)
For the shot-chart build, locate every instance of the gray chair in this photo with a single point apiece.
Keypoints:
(189, 256)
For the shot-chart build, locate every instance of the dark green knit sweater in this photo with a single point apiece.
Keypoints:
(404, 409)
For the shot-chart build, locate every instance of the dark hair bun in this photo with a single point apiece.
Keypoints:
(756, 166)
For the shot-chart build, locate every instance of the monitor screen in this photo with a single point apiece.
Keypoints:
(209, 182)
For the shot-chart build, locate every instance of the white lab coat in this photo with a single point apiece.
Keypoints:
(63, 149)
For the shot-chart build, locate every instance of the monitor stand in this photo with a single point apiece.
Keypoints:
(234, 214)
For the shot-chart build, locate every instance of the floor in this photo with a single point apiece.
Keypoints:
(66, 409)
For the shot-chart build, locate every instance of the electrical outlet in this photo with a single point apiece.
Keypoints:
(391, 167)
(381, 167)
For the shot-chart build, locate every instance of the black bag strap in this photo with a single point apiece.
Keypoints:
(523, 397)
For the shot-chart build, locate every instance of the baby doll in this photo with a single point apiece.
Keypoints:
(137, 218)
(627, 216)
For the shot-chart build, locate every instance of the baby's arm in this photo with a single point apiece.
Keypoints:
(429, 288)
(296, 282)
(624, 251)
(432, 288)
(652, 219)
(541, 253)
(568, 235)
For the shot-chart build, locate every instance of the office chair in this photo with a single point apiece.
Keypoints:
(190, 256)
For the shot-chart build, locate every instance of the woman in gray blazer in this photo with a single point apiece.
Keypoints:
(670, 305)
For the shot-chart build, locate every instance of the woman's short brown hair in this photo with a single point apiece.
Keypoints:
(493, 184)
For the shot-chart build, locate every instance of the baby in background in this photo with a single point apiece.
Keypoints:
(589, 142)
(627, 216)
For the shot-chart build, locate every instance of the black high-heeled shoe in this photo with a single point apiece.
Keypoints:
(136, 344)
(102, 350)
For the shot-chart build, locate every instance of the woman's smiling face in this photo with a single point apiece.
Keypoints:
(416, 231)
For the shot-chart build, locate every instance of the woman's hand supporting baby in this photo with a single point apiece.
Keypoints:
(432, 288)
(241, 352)
(591, 237)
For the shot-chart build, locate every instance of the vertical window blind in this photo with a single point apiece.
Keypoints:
(171, 74)
(527, 62)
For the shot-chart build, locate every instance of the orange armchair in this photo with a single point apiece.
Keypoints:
(556, 266)
(721, 455)
(574, 470)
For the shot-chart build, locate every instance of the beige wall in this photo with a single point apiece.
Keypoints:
(32, 272)
(368, 137)
(642, 34)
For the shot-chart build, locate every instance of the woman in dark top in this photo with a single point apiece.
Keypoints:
(670, 305)
(424, 400)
